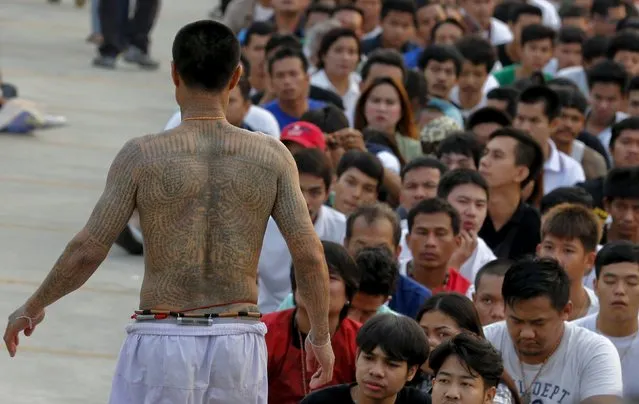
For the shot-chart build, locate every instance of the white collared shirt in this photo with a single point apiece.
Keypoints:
(490, 83)
(561, 170)
(321, 80)
(274, 266)
(549, 14)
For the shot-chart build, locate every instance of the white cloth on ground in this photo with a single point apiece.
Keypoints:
(162, 362)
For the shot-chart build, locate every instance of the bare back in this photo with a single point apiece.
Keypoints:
(205, 192)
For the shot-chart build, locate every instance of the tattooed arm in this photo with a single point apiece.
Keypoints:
(86, 251)
(311, 274)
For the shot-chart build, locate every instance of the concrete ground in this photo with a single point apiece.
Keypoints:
(50, 181)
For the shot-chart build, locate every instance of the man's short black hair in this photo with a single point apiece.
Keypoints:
(537, 32)
(320, 9)
(365, 162)
(348, 7)
(608, 72)
(206, 54)
(282, 41)
(575, 195)
(622, 183)
(399, 337)
(571, 34)
(570, 10)
(372, 213)
(562, 83)
(431, 207)
(532, 277)
(329, 118)
(423, 162)
(572, 98)
(389, 57)
(624, 41)
(442, 53)
(448, 20)
(313, 161)
(505, 94)
(633, 85)
(380, 271)
(399, 6)
(496, 267)
(616, 252)
(519, 9)
(463, 143)
(476, 354)
(488, 115)
(528, 152)
(477, 51)
(416, 88)
(259, 28)
(631, 123)
(457, 177)
(339, 262)
(545, 95)
(628, 24)
(285, 53)
(601, 7)
(594, 47)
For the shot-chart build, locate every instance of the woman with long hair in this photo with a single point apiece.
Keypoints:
(445, 315)
(384, 106)
(337, 59)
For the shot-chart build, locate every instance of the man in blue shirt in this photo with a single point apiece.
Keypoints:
(378, 226)
(290, 82)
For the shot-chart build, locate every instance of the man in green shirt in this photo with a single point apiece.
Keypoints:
(537, 45)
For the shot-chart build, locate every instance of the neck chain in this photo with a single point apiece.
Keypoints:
(526, 395)
(204, 118)
(303, 363)
(410, 271)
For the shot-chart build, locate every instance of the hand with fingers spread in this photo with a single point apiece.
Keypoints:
(465, 250)
(20, 320)
(323, 356)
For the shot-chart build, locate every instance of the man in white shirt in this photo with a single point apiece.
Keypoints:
(467, 191)
(617, 285)
(537, 113)
(570, 234)
(481, 12)
(274, 266)
(551, 361)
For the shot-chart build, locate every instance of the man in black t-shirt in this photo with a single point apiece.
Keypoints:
(390, 350)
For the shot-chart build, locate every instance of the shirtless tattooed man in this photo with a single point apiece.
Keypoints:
(204, 191)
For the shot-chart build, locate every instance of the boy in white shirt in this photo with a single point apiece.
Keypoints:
(570, 234)
(617, 285)
(551, 361)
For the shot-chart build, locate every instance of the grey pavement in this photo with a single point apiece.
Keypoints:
(50, 181)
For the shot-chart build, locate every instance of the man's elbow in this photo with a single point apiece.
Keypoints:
(86, 251)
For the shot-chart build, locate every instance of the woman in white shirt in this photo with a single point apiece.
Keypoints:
(338, 57)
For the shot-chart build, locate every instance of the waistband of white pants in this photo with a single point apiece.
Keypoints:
(219, 327)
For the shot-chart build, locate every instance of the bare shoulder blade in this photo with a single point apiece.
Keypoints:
(204, 201)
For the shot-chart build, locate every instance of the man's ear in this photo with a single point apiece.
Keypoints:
(521, 173)
(411, 373)
(489, 395)
(590, 258)
(175, 77)
(566, 311)
(237, 75)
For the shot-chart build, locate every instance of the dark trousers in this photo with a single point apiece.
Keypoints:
(120, 30)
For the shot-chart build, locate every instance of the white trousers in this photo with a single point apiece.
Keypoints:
(162, 362)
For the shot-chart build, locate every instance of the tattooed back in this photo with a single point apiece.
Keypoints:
(206, 190)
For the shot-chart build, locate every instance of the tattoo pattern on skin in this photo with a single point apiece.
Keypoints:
(204, 192)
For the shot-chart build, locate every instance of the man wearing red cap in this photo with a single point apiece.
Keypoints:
(302, 135)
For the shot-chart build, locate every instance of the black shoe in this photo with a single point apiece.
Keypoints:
(129, 243)
(105, 62)
(136, 56)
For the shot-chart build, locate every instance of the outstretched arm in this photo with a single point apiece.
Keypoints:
(86, 251)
